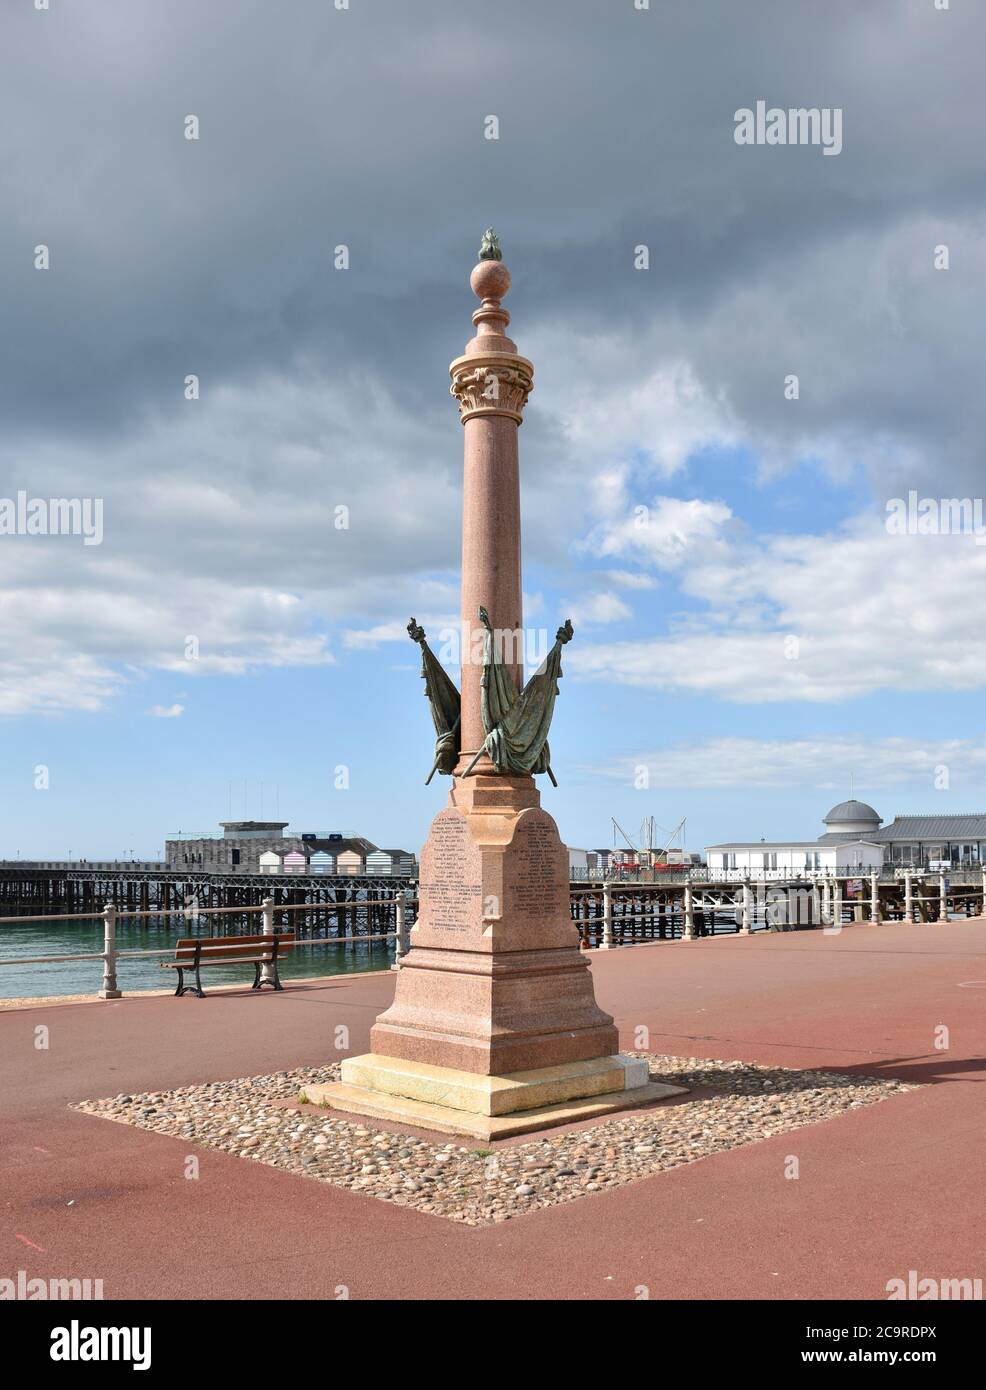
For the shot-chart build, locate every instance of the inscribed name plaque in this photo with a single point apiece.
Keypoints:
(536, 888)
(451, 889)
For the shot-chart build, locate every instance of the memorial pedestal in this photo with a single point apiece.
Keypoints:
(494, 1028)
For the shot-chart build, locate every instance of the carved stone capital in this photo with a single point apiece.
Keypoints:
(492, 384)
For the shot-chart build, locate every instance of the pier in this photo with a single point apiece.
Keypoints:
(650, 906)
(339, 905)
(351, 911)
(697, 903)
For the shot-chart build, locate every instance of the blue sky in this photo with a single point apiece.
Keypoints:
(747, 630)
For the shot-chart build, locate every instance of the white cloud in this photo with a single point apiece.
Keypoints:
(367, 638)
(74, 647)
(610, 409)
(41, 677)
(823, 761)
(627, 579)
(221, 524)
(661, 532)
(821, 618)
(597, 608)
(166, 711)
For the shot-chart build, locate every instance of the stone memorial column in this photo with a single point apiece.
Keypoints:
(494, 1028)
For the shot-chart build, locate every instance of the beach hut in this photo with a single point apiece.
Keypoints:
(294, 861)
(350, 861)
(389, 861)
(270, 862)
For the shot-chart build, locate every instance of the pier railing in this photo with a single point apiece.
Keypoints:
(616, 912)
(606, 913)
(110, 915)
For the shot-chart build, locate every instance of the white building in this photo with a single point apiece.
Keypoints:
(850, 842)
(578, 863)
(738, 858)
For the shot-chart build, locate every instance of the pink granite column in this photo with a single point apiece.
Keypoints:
(491, 382)
(494, 982)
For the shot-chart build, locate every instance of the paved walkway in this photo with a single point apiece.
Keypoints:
(883, 1190)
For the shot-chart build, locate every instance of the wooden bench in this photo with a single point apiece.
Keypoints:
(194, 952)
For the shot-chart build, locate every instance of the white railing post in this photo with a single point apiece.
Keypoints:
(836, 903)
(874, 899)
(826, 909)
(908, 896)
(607, 941)
(745, 927)
(267, 969)
(942, 898)
(109, 989)
(688, 933)
(401, 929)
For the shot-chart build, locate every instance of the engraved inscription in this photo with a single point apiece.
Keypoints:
(450, 891)
(540, 889)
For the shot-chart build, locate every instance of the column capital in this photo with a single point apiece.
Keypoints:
(493, 383)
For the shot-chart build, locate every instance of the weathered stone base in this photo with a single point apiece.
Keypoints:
(482, 1012)
(488, 1107)
(494, 982)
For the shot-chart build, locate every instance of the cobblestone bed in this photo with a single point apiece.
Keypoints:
(481, 1186)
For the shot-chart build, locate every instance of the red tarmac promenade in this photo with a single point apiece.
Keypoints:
(882, 1190)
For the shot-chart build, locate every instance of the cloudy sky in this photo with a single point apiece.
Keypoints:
(749, 632)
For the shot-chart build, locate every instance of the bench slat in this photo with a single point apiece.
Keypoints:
(216, 949)
(236, 960)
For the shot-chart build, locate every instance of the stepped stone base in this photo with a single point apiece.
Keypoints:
(488, 1107)
(494, 1027)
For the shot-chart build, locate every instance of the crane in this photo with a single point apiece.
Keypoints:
(618, 827)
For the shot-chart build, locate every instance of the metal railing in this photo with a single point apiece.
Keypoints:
(156, 866)
(750, 888)
(777, 898)
(111, 915)
(85, 865)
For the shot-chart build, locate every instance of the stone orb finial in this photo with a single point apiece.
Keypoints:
(490, 280)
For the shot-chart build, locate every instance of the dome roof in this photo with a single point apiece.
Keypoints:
(851, 811)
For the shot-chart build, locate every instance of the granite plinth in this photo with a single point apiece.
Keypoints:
(494, 981)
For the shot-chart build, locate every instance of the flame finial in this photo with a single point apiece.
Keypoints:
(489, 247)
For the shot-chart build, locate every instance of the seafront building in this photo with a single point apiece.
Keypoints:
(855, 838)
(253, 846)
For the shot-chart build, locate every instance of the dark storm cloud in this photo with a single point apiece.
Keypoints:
(365, 127)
